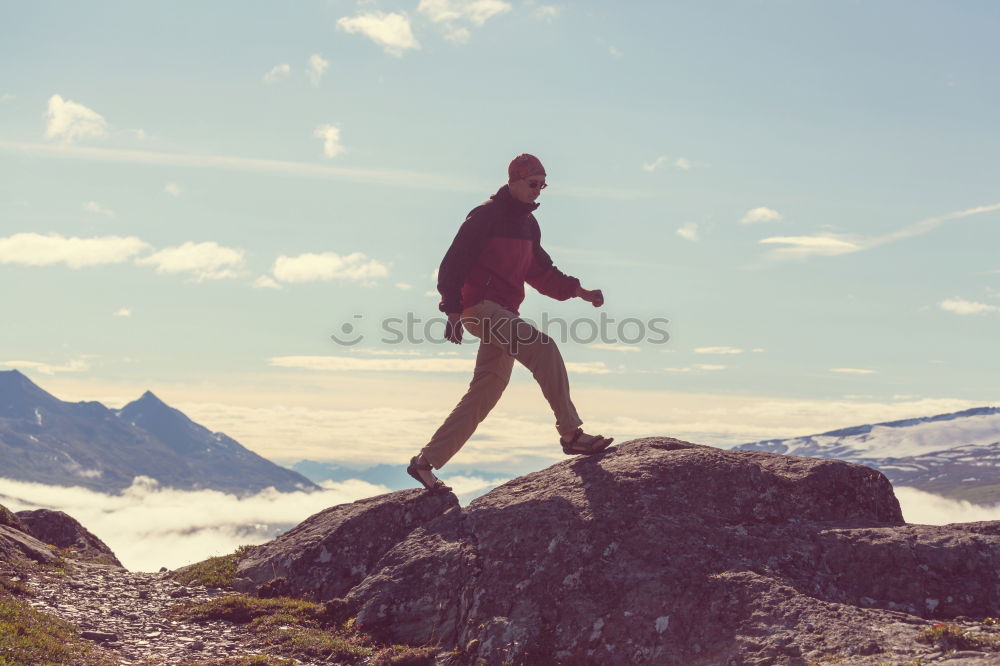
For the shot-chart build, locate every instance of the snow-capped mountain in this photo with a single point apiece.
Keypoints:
(46, 440)
(956, 454)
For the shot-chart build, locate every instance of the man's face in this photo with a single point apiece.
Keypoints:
(526, 190)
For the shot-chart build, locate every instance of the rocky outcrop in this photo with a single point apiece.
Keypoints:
(64, 531)
(655, 552)
(336, 549)
(16, 546)
(8, 518)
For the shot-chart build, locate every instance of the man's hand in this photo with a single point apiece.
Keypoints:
(453, 328)
(592, 296)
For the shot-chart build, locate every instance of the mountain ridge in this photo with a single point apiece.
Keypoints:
(47, 440)
(953, 454)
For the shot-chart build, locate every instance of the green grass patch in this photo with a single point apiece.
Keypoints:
(953, 637)
(213, 572)
(8, 518)
(241, 609)
(13, 587)
(290, 627)
(404, 655)
(28, 636)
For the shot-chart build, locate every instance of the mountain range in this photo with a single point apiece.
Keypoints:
(46, 440)
(954, 454)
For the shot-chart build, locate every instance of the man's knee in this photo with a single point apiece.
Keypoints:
(489, 381)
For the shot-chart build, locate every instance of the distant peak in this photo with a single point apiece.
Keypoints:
(148, 403)
(10, 376)
(17, 379)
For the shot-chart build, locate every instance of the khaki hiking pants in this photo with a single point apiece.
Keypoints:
(503, 338)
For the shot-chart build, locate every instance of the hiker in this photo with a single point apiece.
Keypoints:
(481, 281)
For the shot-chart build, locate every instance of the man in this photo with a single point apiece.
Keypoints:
(481, 281)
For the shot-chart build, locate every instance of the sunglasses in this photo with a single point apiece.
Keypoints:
(537, 184)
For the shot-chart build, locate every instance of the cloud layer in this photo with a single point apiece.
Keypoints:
(149, 526)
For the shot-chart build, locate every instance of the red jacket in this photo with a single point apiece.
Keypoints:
(498, 249)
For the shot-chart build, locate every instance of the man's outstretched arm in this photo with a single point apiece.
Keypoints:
(552, 282)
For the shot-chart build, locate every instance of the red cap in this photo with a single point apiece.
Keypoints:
(525, 166)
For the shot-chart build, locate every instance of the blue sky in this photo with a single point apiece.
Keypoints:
(195, 196)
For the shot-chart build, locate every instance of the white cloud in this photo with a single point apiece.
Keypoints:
(922, 508)
(467, 488)
(205, 261)
(405, 286)
(265, 282)
(664, 160)
(452, 14)
(615, 53)
(456, 34)
(801, 247)
(78, 365)
(331, 140)
(278, 73)
(352, 364)
(853, 371)
(7, 96)
(432, 294)
(614, 347)
(122, 312)
(94, 207)
(655, 164)
(149, 526)
(831, 245)
(404, 179)
(964, 307)
(390, 31)
(688, 231)
(287, 414)
(923, 226)
(374, 351)
(708, 367)
(311, 267)
(761, 214)
(31, 249)
(70, 121)
(546, 12)
(173, 189)
(717, 350)
(757, 350)
(591, 368)
(476, 12)
(317, 66)
(423, 365)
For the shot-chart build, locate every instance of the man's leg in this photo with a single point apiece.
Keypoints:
(537, 352)
(493, 367)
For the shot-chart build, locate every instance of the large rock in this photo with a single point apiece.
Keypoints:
(64, 531)
(655, 552)
(334, 550)
(16, 546)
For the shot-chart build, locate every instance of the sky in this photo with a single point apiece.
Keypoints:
(804, 196)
